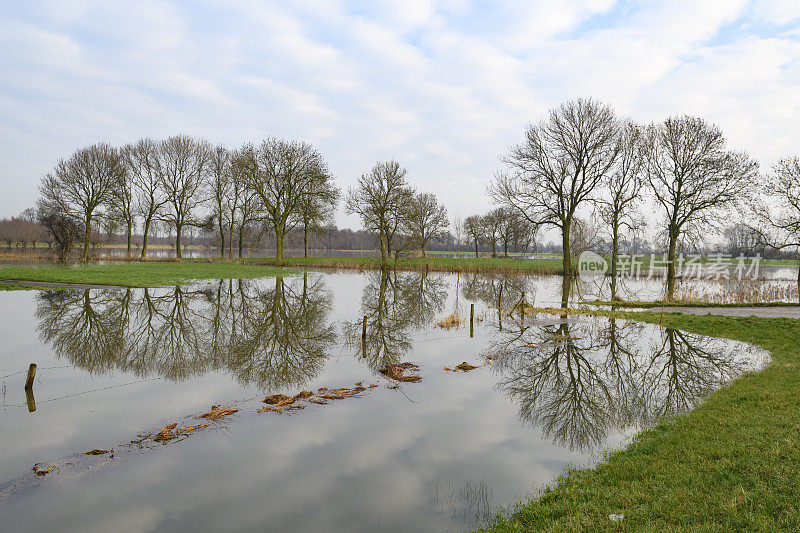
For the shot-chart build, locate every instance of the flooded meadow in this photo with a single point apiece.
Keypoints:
(324, 400)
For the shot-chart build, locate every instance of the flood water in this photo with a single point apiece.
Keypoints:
(441, 454)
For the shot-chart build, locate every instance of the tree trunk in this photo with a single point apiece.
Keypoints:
(565, 288)
(476, 248)
(221, 243)
(130, 234)
(87, 233)
(566, 264)
(305, 240)
(673, 241)
(230, 240)
(178, 241)
(614, 253)
(505, 248)
(384, 259)
(423, 249)
(279, 244)
(494, 248)
(144, 237)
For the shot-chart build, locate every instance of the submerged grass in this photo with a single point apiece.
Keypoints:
(539, 265)
(147, 274)
(730, 464)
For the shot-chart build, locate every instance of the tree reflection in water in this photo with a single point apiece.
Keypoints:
(268, 336)
(498, 291)
(579, 378)
(394, 303)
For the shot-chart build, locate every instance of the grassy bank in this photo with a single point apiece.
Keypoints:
(149, 274)
(642, 304)
(730, 464)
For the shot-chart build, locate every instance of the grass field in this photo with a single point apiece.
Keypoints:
(731, 464)
(149, 274)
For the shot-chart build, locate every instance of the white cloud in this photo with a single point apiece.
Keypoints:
(444, 86)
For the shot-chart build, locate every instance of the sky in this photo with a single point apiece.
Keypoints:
(444, 87)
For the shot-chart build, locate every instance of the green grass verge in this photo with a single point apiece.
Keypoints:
(640, 304)
(149, 274)
(731, 464)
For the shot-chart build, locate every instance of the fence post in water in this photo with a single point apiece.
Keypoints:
(364, 329)
(31, 375)
(471, 318)
(31, 400)
(522, 308)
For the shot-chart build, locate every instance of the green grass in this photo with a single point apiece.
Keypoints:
(731, 464)
(642, 304)
(149, 274)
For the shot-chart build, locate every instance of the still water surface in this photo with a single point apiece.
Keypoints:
(441, 454)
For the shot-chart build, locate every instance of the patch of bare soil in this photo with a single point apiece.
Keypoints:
(398, 371)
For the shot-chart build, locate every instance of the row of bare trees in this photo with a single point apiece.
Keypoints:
(390, 207)
(186, 182)
(501, 227)
(583, 156)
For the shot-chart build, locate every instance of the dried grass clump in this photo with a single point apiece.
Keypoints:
(217, 412)
(166, 433)
(398, 372)
(463, 367)
(42, 469)
(97, 452)
(281, 403)
(450, 322)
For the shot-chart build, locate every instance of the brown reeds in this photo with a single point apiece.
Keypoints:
(397, 372)
(449, 322)
(282, 403)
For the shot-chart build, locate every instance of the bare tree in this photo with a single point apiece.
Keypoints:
(183, 165)
(244, 202)
(473, 225)
(221, 185)
(282, 174)
(777, 208)
(379, 199)
(142, 161)
(622, 190)
(694, 178)
(425, 219)
(59, 228)
(122, 205)
(81, 185)
(458, 233)
(558, 166)
(316, 208)
(492, 223)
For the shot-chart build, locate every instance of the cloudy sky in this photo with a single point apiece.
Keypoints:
(443, 86)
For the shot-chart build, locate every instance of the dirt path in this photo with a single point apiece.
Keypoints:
(53, 284)
(763, 312)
